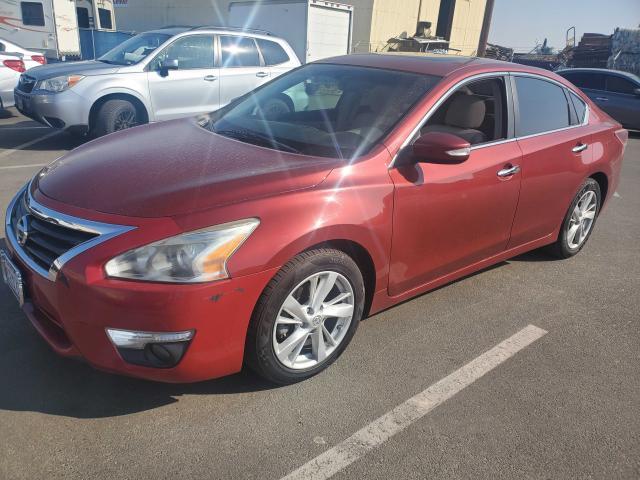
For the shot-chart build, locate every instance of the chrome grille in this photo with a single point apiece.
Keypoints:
(42, 240)
(45, 239)
(26, 83)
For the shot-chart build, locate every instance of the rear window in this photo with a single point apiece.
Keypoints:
(580, 107)
(83, 17)
(542, 107)
(617, 84)
(32, 13)
(272, 52)
(239, 52)
(105, 18)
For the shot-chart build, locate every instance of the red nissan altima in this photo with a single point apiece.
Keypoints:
(263, 233)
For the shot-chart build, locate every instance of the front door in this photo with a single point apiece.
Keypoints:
(623, 103)
(192, 88)
(447, 217)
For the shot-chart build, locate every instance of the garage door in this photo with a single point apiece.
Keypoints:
(328, 33)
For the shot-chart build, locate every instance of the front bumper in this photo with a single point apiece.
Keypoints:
(57, 110)
(73, 310)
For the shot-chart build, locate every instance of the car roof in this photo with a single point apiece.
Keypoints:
(599, 70)
(429, 64)
(178, 29)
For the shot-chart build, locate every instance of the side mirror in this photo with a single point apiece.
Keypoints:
(441, 148)
(165, 66)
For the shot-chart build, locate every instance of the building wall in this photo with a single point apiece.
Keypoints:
(467, 24)
(141, 15)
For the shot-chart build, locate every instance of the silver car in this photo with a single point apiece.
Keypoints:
(154, 76)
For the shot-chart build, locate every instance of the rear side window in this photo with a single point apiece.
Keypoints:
(594, 81)
(32, 13)
(239, 52)
(617, 84)
(542, 107)
(272, 52)
(580, 107)
(105, 18)
(83, 17)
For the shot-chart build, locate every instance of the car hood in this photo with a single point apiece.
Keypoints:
(90, 67)
(172, 168)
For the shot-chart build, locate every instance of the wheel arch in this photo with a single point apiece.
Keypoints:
(603, 183)
(361, 256)
(141, 108)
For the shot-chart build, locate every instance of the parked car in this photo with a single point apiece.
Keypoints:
(11, 66)
(31, 58)
(179, 250)
(154, 76)
(615, 92)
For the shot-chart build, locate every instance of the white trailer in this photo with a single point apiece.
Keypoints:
(53, 25)
(315, 29)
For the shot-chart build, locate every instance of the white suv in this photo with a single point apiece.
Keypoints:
(154, 76)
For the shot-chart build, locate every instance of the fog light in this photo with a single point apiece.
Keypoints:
(151, 349)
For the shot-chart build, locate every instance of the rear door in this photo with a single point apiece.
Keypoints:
(191, 89)
(242, 68)
(555, 142)
(622, 102)
(275, 57)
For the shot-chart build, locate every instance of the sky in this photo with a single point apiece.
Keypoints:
(519, 24)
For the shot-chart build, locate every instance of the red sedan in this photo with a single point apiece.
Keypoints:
(263, 233)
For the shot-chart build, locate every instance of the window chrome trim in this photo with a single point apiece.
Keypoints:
(104, 232)
(480, 76)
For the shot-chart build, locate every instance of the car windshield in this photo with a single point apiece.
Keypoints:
(323, 109)
(134, 49)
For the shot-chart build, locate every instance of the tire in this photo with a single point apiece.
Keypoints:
(568, 245)
(265, 333)
(115, 115)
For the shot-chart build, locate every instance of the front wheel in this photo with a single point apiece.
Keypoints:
(579, 220)
(306, 316)
(115, 115)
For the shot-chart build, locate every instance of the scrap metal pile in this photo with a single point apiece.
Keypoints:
(625, 51)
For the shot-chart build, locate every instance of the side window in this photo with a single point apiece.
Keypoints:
(83, 17)
(2, 47)
(580, 107)
(272, 52)
(617, 84)
(543, 107)
(316, 93)
(239, 52)
(32, 13)
(476, 112)
(192, 52)
(594, 81)
(105, 18)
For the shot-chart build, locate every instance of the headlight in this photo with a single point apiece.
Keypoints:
(59, 84)
(199, 256)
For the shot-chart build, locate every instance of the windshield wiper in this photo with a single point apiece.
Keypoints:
(257, 138)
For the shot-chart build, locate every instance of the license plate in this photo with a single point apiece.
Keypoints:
(11, 276)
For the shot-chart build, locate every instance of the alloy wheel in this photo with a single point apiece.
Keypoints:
(125, 119)
(582, 219)
(313, 320)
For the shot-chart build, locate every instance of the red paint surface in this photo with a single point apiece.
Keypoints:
(422, 225)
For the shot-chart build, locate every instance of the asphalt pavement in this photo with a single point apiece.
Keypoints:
(529, 369)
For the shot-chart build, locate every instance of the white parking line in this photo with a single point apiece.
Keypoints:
(29, 143)
(382, 429)
(616, 194)
(8, 167)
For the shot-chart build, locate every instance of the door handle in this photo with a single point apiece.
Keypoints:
(262, 74)
(508, 171)
(602, 99)
(210, 78)
(579, 148)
